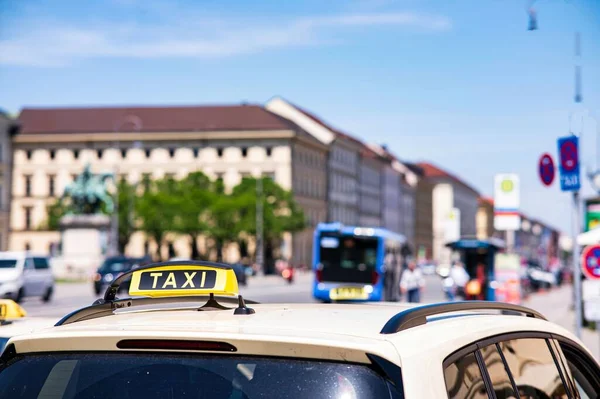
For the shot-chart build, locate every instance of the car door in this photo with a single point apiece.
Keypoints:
(516, 365)
(43, 274)
(31, 283)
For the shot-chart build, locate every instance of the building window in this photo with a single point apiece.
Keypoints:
(1, 153)
(51, 179)
(219, 152)
(52, 154)
(76, 154)
(100, 153)
(124, 153)
(270, 175)
(170, 176)
(196, 151)
(269, 151)
(246, 175)
(244, 152)
(28, 210)
(27, 246)
(29, 154)
(73, 177)
(219, 175)
(1, 199)
(27, 185)
(148, 151)
(171, 152)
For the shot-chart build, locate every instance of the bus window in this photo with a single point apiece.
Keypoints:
(348, 259)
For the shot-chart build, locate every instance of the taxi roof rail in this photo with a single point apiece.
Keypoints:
(417, 316)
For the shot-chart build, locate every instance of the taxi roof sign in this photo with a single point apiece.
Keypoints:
(183, 278)
(9, 309)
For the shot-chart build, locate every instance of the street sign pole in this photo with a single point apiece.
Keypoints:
(576, 265)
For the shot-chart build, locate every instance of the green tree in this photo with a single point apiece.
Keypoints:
(55, 211)
(281, 213)
(193, 197)
(155, 212)
(126, 212)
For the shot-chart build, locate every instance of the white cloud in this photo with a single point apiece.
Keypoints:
(56, 44)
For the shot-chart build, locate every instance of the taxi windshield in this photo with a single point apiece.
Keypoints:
(148, 376)
(8, 263)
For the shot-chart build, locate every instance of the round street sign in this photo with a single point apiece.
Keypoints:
(590, 262)
(568, 156)
(547, 170)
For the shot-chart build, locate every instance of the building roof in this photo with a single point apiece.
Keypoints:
(486, 201)
(433, 171)
(415, 168)
(336, 131)
(150, 119)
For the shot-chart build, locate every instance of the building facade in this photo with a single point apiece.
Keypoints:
(370, 188)
(227, 142)
(343, 163)
(447, 193)
(485, 218)
(8, 128)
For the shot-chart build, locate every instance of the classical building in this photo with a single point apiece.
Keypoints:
(370, 187)
(447, 192)
(343, 161)
(398, 190)
(227, 142)
(8, 128)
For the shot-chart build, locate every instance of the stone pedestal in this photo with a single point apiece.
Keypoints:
(84, 240)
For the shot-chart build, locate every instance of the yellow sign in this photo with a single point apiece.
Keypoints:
(183, 280)
(11, 310)
(507, 185)
(347, 293)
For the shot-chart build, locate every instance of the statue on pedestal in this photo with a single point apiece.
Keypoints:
(89, 194)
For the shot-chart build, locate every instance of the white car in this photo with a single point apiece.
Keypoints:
(185, 333)
(23, 274)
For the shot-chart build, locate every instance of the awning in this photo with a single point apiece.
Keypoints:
(589, 238)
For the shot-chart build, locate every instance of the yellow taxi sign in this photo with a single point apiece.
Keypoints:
(9, 309)
(183, 280)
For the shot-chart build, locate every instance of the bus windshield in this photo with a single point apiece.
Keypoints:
(348, 259)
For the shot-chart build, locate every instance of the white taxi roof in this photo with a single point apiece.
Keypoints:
(323, 331)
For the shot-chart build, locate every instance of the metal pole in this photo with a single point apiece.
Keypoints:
(259, 224)
(115, 216)
(576, 266)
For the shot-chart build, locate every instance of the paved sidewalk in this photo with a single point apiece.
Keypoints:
(556, 306)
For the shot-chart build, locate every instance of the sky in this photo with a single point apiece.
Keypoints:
(462, 84)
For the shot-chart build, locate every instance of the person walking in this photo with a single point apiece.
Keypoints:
(412, 282)
(460, 277)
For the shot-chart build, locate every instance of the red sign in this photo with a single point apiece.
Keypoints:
(546, 169)
(569, 156)
(590, 262)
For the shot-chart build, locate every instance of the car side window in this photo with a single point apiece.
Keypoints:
(583, 371)
(500, 379)
(533, 368)
(29, 263)
(41, 263)
(464, 380)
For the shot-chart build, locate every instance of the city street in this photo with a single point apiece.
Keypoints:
(71, 296)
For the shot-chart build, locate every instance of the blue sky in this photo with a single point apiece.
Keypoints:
(463, 84)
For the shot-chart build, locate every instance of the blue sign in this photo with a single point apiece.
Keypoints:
(568, 165)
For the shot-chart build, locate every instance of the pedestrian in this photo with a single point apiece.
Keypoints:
(412, 282)
(460, 277)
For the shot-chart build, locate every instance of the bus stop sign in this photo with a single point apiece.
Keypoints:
(590, 262)
(568, 153)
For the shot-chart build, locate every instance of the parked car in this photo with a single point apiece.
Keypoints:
(23, 275)
(540, 278)
(111, 268)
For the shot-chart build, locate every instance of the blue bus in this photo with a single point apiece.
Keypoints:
(356, 263)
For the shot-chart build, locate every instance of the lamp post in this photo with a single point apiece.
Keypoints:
(259, 224)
